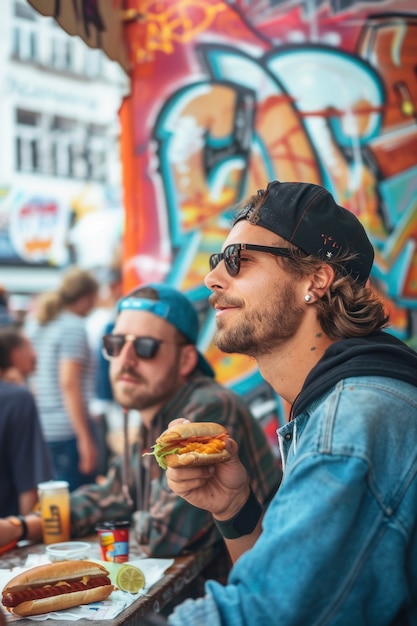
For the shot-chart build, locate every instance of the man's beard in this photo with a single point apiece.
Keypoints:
(141, 396)
(263, 329)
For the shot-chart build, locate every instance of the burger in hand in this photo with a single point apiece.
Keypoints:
(192, 443)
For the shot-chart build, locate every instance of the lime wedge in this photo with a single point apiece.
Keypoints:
(130, 578)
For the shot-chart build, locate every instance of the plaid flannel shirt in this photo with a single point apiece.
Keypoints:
(163, 523)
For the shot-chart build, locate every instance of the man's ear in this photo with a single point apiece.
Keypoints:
(321, 280)
(188, 360)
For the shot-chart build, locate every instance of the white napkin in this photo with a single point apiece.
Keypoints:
(153, 570)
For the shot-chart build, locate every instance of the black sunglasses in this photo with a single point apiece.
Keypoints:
(145, 347)
(231, 255)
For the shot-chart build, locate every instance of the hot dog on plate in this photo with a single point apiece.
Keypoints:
(193, 443)
(56, 586)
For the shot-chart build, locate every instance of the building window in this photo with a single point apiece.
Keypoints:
(62, 137)
(61, 147)
(28, 141)
(61, 53)
(25, 35)
(96, 152)
(24, 11)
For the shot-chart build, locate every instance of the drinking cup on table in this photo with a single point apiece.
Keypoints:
(54, 505)
(114, 541)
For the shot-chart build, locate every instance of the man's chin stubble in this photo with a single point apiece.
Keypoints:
(234, 344)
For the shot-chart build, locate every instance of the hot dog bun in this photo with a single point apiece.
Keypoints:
(56, 586)
(61, 602)
(191, 443)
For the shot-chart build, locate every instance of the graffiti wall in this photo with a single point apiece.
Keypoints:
(226, 96)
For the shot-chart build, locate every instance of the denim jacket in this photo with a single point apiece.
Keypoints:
(339, 540)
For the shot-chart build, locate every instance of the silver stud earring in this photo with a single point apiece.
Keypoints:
(307, 297)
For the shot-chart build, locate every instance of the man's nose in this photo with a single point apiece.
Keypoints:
(127, 353)
(216, 278)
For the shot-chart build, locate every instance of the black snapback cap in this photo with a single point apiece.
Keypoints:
(307, 216)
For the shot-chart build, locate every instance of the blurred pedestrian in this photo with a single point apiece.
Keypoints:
(63, 381)
(24, 456)
(17, 355)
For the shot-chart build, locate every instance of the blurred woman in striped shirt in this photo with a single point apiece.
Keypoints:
(64, 378)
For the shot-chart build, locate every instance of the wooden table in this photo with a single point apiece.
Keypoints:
(170, 590)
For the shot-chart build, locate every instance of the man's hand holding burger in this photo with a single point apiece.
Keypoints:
(221, 488)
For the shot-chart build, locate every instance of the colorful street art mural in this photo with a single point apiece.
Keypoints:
(226, 96)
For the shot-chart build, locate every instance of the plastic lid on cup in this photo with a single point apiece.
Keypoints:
(113, 525)
(53, 484)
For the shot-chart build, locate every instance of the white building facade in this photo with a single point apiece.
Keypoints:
(59, 151)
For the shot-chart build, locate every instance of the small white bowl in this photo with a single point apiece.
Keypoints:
(68, 550)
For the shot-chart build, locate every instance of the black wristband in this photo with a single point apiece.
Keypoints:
(24, 527)
(19, 520)
(244, 522)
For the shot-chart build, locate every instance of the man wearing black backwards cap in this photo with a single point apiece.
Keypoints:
(156, 368)
(338, 543)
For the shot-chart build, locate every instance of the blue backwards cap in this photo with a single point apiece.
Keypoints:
(173, 307)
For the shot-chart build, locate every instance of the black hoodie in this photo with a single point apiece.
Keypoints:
(378, 354)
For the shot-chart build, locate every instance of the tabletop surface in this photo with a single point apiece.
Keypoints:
(176, 579)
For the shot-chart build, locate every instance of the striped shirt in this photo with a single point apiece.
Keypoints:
(63, 338)
(164, 523)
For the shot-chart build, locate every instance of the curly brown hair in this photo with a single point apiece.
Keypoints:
(347, 309)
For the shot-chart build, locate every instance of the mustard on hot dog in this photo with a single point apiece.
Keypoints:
(56, 586)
